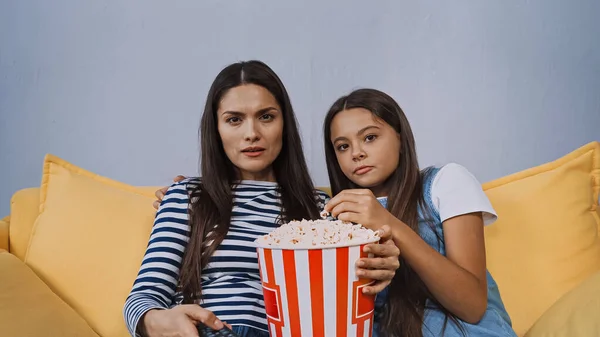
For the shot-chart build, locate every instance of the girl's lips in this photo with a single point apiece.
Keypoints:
(363, 170)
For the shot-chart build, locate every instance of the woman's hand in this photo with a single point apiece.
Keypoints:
(179, 321)
(382, 267)
(160, 194)
(359, 206)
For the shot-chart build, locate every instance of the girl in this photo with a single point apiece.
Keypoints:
(436, 216)
(200, 264)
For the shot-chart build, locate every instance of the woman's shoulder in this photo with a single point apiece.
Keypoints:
(322, 197)
(184, 188)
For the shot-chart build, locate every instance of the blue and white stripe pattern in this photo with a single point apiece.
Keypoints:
(231, 285)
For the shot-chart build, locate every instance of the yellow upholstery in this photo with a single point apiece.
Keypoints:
(24, 209)
(29, 308)
(545, 241)
(86, 236)
(575, 314)
(88, 241)
(4, 223)
(326, 190)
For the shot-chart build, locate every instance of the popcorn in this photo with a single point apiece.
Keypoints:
(318, 233)
(308, 272)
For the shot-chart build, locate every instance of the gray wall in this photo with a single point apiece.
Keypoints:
(117, 86)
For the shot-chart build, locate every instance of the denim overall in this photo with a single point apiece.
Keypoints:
(495, 321)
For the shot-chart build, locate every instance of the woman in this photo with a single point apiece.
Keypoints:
(200, 265)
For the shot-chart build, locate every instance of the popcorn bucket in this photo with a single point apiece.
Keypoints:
(315, 291)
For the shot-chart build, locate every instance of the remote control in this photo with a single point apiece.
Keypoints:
(205, 331)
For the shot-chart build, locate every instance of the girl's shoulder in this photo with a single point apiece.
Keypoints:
(454, 190)
(450, 171)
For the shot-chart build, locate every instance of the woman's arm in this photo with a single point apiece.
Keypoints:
(457, 280)
(157, 278)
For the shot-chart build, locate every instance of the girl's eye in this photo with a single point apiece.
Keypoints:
(342, 147)
(267, 117)
(370, 138)
(233, 120)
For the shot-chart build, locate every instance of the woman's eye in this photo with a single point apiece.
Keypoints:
(370, 138)
(233, 120)
(267, 117)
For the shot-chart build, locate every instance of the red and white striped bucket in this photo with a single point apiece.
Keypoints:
(315, 292)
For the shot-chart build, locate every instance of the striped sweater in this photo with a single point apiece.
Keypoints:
(231, 286)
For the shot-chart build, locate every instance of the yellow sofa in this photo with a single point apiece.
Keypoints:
(70, 250)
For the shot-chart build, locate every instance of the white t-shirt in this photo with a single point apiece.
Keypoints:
(455, 191)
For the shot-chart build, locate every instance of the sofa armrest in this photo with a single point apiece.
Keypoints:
(573, 315)
(4, 233)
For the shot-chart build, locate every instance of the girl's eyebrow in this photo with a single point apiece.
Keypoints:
(363, 130)
(360, 132)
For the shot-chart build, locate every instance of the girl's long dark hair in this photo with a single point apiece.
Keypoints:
(404, 310)
(212, 202)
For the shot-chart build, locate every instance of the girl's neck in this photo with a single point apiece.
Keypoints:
(380, 191)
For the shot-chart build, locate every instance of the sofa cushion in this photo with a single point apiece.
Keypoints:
(24, 209)
(29, 308)
(4, 233)
(545, 241)
(88, 241)
(575, 314)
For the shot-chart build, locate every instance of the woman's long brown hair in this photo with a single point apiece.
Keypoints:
(403, 313)
(212, 202)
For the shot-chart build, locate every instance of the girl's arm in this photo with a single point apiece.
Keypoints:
(458, 281)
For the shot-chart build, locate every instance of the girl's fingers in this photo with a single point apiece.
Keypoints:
(385, 263)
(375, 274)
(352, 217)
(375, 288)
(344, 206)
(382, 250)
(385, 233)
(357, 191)
(341, 198)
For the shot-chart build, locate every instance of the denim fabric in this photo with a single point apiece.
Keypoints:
(246, 331)
(495, 321)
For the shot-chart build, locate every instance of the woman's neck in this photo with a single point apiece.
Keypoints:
(267, 175)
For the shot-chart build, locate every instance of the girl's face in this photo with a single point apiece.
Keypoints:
(250, 124)
(367, 148)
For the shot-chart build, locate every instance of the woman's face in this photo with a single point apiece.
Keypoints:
(250, 124)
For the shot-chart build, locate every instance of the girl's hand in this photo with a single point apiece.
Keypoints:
(359, 206)
(382, 267)
(179, 321)
(160, 194)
